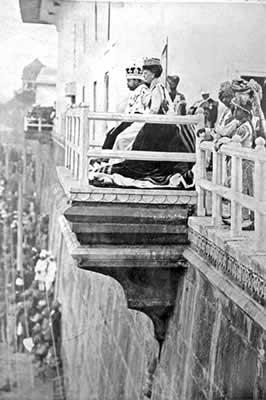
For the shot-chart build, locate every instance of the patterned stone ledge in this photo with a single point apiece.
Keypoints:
(234, 257)
(86, 193)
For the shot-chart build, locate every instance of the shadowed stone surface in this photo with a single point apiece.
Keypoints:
(213, 348)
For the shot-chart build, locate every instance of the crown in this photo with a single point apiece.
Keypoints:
(148, 62)
(134, 72)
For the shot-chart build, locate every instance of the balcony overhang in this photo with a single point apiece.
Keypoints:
(149, 274)
(136, 236)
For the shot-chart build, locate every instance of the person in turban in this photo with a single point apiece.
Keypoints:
(178, 99)
(242, 114)
(226, 123)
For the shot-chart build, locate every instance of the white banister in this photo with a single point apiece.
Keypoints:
(37, 125)
(216, 180)
(197, 120)
(260, 194)
(201, 175)
(236, 186)
(79, 146)
(76, 142)
(148, 118)
(220, 189)
(143, 155)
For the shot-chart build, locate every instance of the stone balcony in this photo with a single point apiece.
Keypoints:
(143, 238)
(136, 236)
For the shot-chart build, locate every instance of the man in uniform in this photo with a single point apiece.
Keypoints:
(178, 99)
(208, 107)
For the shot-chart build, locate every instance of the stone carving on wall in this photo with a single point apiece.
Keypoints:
(243, 276)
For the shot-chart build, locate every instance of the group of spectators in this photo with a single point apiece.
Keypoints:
(30, 319)
(38, 316)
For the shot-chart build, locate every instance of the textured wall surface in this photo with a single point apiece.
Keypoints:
(107, 349)
(213, 350)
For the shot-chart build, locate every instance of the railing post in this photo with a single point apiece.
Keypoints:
(260, 196)
(236, 186)
(200, 174)
(84, 145)
(66, 129)
(216, 180)
(25, 124)
(39, 124)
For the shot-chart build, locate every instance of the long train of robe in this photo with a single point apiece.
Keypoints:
(113, 134)
(161, 138)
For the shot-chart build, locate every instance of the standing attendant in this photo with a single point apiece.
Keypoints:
(178, 99)
(208, 107)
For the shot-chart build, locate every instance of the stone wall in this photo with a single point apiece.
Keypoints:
(107, 349)
(213, 349)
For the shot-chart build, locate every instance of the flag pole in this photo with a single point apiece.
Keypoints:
(166, 62)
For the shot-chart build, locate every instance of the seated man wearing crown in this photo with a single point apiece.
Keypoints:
(153, 137)
(138, 89)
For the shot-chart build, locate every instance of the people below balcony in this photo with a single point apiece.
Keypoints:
(178, 99)
(155, 138)
(122, 137)
(208, 107)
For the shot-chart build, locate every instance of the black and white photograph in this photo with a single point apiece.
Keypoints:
(133, 200)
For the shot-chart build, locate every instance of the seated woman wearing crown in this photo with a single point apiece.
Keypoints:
(154, 137)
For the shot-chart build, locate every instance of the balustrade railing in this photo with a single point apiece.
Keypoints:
(37, 125)
(76, 141)
(146, 118)
(80, 146)
(222, 168)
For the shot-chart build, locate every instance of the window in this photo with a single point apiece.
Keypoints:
(106, 95)
(94, 108)
(109, 21)
(96, 21)
(74, 45)
(84, 37)
(83, 94)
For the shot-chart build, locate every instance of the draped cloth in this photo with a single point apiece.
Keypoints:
(161, 138)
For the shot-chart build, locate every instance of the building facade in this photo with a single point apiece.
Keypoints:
(208, 42)
(207, 339)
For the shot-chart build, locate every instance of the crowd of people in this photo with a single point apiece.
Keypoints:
(30, 318)
(238, 113)
(38, 315)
